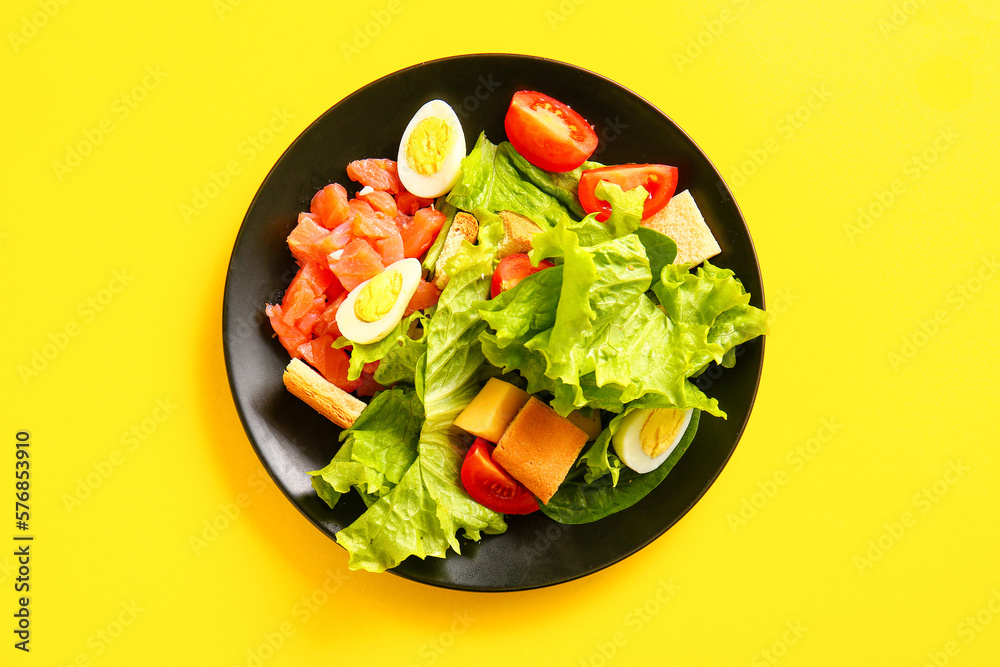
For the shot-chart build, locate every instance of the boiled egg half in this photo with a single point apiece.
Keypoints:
(374, 308)
(648, 436)
(431, 152)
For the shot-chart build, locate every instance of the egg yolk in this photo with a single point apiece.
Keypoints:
(378, 296)
(428, 145)
(659, 430)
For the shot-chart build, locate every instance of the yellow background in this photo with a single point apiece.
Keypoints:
(856, 522)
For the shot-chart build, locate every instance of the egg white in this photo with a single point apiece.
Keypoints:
(628, 445)
(441, 181)
(363, 333)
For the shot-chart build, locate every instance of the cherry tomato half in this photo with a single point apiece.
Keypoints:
(660, 181)
(512, 269)
(548, 133)
(491, 486)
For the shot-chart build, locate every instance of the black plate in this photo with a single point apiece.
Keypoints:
(291, 439)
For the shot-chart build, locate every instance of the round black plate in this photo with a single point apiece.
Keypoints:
(291, 439)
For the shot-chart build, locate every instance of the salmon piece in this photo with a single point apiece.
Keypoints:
(381, 201)
(368, 386)
(318, 276)
(376, 173)
(409, 203)
(355, 263)
(419, 236)
(391, 247)
(368, 223)
(329, 205)
(304, 239)
(289, 336)
(425, 296)
(327, 322)
(331, 362)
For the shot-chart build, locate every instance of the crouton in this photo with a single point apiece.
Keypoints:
(517, 233)
(321, 395)
(539, 447)
(682, 221)
(464, 227)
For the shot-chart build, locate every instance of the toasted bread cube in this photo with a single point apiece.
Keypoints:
(518, 231)
(539, 447)
(682, 221)
(493, 408)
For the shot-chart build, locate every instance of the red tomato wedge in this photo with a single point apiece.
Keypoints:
(511, 270)
(490, 485)
(421, 232)
(659, 180)
(548, 133)
(376, 173)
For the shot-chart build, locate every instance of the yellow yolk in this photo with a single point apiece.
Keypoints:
(428, 145)
(378, 296)
(660, 430)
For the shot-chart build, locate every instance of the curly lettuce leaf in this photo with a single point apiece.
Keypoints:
(492, 180)
(376, 450)
(422, 514)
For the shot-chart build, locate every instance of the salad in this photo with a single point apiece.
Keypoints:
(395, 301)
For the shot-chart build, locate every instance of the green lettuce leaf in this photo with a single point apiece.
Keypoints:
(365, 353)
(492, 180)
(376, 450)
(421, 515)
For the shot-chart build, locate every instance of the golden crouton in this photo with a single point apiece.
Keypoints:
(539, 447)
(517, 233)
(682, 221)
